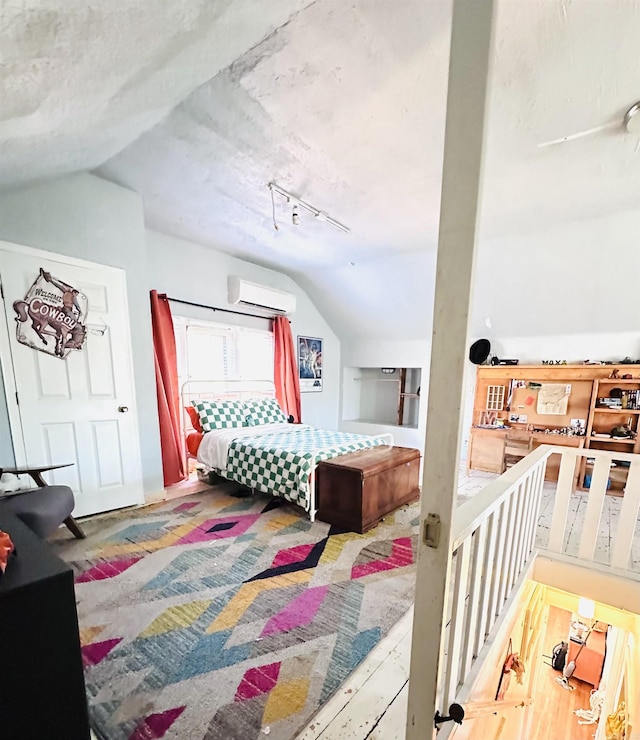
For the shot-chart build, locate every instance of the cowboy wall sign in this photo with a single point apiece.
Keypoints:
(52, 316)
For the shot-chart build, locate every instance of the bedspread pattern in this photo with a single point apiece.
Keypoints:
(282, 463)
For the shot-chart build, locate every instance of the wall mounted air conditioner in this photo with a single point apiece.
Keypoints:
(245, 293)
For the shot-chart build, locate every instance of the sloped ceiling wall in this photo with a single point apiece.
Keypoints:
(80, 81)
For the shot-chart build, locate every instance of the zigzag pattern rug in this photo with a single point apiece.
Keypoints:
(217, 618)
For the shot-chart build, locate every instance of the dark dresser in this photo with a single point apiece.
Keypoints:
(42, 693)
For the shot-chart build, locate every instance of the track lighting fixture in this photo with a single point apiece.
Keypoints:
(297, 203)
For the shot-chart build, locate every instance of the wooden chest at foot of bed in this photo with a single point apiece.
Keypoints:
(356, 490)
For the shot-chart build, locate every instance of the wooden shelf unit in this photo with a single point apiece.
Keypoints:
(588, 384)
(602, 419)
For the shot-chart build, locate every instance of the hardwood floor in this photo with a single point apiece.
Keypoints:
(553, 705)
(577, 508)
(187, 487)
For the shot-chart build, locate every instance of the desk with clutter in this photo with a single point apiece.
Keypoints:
(582, 406)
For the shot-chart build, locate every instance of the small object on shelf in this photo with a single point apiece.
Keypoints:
(479, 351)
(623, 430)
(577, 631)
(614, 373)
(495, 398)
(488, 419)
(610, 403)
(587, 481)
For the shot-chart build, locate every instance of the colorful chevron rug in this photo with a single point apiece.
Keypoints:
(217, 618)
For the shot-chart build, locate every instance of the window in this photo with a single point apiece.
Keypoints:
(210, 351)
(254, 354)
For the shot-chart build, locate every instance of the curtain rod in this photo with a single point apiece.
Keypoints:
(215, 308)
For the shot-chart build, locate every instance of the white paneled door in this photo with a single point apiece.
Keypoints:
(79, 407)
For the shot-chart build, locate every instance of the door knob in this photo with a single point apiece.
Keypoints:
(123, 409)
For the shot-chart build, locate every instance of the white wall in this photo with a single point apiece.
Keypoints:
(574, 278)
(384, 353)
(574, 348)
(86, 217)
(198, 274)
(89, 218)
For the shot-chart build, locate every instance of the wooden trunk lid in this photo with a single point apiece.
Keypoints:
(374, 460)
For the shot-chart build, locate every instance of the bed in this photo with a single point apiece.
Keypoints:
(276, 457)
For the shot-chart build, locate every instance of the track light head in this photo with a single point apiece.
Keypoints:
(298, 203)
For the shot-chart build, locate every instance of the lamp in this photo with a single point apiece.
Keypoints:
(584, 623)
(586, 608)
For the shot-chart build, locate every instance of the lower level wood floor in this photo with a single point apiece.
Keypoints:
(553, 706)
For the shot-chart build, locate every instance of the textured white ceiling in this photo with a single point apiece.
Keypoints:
(344, 105)
(82, 80)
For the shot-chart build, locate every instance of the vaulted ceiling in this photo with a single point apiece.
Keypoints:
(198, 105)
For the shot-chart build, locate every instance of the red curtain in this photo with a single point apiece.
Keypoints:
(286, 369)
(164, 350)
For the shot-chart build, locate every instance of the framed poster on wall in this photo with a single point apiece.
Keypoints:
(310, 364)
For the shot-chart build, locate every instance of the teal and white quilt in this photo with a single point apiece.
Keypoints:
(282, 460)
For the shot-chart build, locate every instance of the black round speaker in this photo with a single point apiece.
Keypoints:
(479, 351)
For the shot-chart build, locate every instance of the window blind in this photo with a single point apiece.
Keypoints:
(210, 351)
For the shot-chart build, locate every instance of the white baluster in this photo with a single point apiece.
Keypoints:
(475, 600)
(505, 561)
(595, 502)
(537, 485)
(628, 518)
(489, 528)
(563, 497)
(456, 626)
(527, 519)
(496, 566)
(518, 535)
